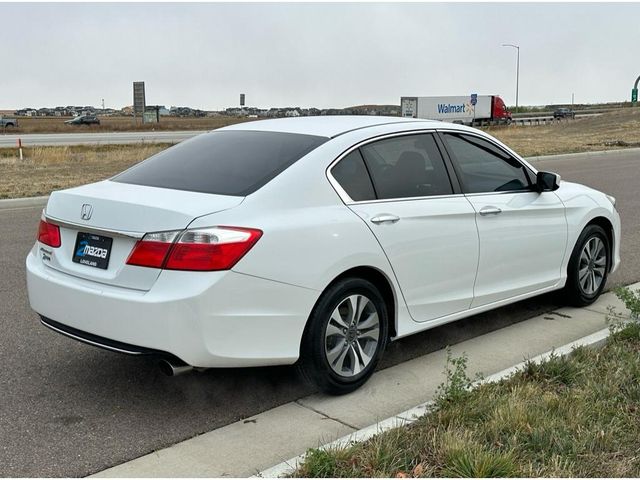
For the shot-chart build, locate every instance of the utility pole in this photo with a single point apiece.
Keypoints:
(103, 105)
(517, 69)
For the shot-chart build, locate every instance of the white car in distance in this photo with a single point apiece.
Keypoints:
(313, 240)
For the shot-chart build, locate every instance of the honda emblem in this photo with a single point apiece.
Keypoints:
(86, 212)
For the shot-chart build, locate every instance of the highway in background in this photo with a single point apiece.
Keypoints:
(47, 139)
(69, 409)
(42, 139)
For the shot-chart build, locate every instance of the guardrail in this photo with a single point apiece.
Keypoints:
(550, 120)
(528, 121)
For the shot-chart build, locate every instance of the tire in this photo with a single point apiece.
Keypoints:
(591, 256)
(335, 356)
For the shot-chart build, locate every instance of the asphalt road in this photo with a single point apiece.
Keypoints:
(10, 140)
(67, 409)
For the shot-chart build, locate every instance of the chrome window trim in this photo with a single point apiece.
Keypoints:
(90, 229)
(406, 199)
(501, 192)
(344, 196)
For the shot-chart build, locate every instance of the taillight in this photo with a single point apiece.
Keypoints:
(49, 234)
(207, 249)
(152, 249)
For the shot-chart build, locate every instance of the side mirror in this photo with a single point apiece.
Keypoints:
(547, 181)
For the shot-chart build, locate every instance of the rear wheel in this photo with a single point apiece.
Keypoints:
(345, 337)
(588, 267)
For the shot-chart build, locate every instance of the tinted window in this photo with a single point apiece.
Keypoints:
(483, 167)
(226, 163)
(353, 177)
(408, 166)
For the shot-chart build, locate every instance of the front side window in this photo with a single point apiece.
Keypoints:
(483, 167)
(407, 166)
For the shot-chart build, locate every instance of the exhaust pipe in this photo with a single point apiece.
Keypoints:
(172, 368)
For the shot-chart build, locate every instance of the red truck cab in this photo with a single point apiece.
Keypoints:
(499, 110)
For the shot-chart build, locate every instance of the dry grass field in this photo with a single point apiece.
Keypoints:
(121, 124)
(612, 130)
(45, 169)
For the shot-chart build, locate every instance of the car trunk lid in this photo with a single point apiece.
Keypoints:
(114, 216)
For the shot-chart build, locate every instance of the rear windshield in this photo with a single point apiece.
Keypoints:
(225, 163)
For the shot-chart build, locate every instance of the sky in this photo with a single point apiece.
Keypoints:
(314, 54)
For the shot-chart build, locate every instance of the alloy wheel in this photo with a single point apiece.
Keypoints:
(592, 266)
(352, 335)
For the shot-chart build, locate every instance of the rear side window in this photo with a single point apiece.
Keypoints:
(408, 166)
(483, 167)
(225, 163)
(353, 177)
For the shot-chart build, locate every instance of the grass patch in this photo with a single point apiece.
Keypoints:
(45, 169)
(572, 416)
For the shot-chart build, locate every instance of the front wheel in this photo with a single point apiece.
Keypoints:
(345, 337)
(588, 267)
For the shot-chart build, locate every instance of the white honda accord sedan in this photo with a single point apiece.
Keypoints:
(312, 240)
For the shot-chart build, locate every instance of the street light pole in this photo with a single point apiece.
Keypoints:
(517, 69)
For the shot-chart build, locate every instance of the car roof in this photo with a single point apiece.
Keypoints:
(329, 125)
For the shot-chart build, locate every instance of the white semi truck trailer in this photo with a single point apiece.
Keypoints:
(467, 110)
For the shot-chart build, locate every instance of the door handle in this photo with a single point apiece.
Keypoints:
(385, 218)
(484, 211)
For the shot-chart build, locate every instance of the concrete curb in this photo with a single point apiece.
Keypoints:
(11, 203)
(407, 417)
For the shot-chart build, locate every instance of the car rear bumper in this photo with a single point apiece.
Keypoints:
(105, 343)
(205, 319)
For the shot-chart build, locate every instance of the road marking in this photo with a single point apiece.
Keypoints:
(2, 210)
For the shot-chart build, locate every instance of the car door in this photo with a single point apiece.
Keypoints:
(401, 189)
(522, 233)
